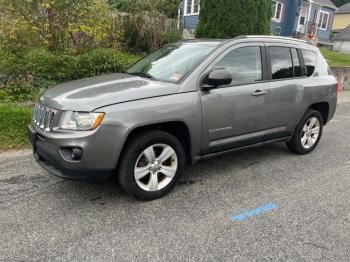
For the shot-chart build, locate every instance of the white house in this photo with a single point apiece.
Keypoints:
(342, 41)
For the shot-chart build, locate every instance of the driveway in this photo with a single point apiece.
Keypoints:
(43, 218)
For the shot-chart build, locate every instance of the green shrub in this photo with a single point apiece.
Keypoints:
(170, 37)
(24, 76)
(18, 90)
(51, 66)
(64, 67)
(13, 126)
(217, 21)
(101, 61)
(147, 31)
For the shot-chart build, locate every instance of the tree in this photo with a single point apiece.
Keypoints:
(168, 8)
(231, 18)
(340, 2)
(56, 23)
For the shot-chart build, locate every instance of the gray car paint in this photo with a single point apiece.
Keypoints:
(94, 92)
(131, 102)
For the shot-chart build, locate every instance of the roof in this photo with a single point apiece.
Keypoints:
(343, 35)
(327, 3)
(344, 9)
(271, 37)
(253, 38)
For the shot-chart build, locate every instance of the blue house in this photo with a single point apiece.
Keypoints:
(296, 18)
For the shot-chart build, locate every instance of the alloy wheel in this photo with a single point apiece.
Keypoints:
(310, 132)
(156, 167)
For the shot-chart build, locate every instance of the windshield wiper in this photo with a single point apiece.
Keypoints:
(142, 74)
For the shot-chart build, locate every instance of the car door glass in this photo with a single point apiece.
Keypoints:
(244, 64)
(296, 63)
(281, 62)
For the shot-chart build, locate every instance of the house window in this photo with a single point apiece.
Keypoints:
(192, 7)
(324, 18)
(277, 9)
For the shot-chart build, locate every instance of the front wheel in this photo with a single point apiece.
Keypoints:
(151, 165)
(307, 134)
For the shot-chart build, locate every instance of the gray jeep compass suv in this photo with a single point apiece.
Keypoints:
(185, 102)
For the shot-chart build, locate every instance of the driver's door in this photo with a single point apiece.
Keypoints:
(235, 115)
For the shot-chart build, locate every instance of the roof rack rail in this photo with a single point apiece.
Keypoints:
(276, 37)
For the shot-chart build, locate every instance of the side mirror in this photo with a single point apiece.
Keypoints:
(217, 78)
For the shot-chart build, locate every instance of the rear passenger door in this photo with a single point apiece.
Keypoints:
(286, 89)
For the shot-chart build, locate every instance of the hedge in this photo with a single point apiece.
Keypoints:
(13, 125)
(24, 76)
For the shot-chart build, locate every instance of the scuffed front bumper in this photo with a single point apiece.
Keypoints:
(98, 159)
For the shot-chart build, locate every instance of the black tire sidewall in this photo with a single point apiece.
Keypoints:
(295, 144)
(133, 150)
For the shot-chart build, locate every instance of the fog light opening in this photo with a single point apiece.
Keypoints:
(77, 153)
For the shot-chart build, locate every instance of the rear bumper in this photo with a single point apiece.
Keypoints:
(48, 153)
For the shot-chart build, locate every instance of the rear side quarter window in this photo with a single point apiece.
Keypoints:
(310, 60)
(322, 68)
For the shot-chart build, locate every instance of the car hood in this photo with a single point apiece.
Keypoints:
(91, 93)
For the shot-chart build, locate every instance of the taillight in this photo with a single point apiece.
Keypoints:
(337, 88)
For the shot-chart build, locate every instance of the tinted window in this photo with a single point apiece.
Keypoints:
(244, 64)
(281, 62)
(310, 59)
(296, 63)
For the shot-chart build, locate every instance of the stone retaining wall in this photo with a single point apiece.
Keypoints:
(343, 76)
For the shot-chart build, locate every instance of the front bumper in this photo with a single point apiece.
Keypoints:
(98, 160)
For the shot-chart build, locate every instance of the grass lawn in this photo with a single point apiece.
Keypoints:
(336, 58)
(13, 126)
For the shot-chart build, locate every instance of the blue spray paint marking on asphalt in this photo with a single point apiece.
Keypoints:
(254, 212)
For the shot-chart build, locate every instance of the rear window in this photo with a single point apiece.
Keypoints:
(310, 59)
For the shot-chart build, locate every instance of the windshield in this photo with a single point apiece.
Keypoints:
(172, 62)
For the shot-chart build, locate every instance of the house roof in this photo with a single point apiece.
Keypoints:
(327, 3)
(344, 9)
(343, 35)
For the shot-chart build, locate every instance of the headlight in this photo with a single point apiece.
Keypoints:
(81, 121)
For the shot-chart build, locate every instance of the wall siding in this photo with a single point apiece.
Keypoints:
(287, 25)
(323, 34)
(190, 22)
(290, 17)
(342, 46)
(341, 21)
(276, 28)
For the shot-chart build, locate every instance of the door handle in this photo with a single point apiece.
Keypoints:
(259, 93)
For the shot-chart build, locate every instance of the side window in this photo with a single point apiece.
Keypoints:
(322, 66)
(281, 62)
(310, 59)
(244, 64)
(296, 63)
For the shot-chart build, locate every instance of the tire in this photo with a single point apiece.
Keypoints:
(147, 175)
(307, 128)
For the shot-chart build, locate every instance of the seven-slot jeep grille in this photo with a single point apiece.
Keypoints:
(44, 117)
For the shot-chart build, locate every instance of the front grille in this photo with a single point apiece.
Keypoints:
(44, 117)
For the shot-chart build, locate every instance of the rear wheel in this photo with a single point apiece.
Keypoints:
(151, 165)
(308, 133)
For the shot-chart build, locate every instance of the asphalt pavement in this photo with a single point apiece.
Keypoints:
(262, 204)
